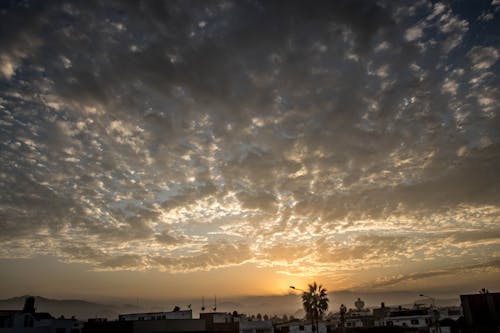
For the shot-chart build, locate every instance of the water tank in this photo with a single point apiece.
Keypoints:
(359, 304)
(29, 305)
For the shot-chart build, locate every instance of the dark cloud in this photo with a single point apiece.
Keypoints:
(167, 239)
(476, 236)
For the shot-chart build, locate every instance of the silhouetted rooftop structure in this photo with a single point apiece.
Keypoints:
(482, 311)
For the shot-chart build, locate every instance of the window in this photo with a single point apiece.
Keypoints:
(301, 327)
(415, 322)
(389, 323)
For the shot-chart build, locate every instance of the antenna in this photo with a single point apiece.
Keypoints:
(202, 303)
(215, 303)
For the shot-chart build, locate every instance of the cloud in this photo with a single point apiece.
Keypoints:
(486, 16)
(413, 33)
(166, 238)
(476, 236)
(214, 255)
(452, 271)
(483, 57)
(285, 252)
(366, 248)
(7, 67)
(183, 137)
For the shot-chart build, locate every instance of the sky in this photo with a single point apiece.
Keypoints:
(186, 148)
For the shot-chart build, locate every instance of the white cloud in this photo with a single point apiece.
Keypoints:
(450, 86)
(483, 57)
(414, 33)
(7, 66)
(382, 46)
(383, 71)
(486, 16)
(66, 62)
(439, 8)
(455, 29)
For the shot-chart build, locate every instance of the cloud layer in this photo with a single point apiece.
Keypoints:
(185, 136)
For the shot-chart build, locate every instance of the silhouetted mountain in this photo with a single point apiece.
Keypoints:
(80, 309)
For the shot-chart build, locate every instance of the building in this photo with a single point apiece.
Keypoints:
(220, 322)
(28, 320)
(146, 326)
(450, 312)
(300, 327)
(255, 326)
(353, 318)
(408, 318)
(482, 311)
(179, 322)
(180, 314)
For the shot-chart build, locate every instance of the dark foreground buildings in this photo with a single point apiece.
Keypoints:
(481, 312)
(214, 322)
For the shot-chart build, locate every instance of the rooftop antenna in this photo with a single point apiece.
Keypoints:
(215, 303)
(202, 303)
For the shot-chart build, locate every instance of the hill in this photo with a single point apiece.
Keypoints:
(68, 308)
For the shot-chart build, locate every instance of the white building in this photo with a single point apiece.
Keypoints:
(407, 318)
(451, 312)
(181, 314)
(255, 326)
(301, 327)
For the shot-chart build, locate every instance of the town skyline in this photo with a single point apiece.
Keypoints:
(272, 306)
(185, 149)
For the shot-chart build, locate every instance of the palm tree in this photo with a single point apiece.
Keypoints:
(315, 302)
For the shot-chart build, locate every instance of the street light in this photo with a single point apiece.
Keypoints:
(435, 312)
(313, 295)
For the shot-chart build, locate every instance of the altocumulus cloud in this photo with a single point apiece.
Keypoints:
(186, 136)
